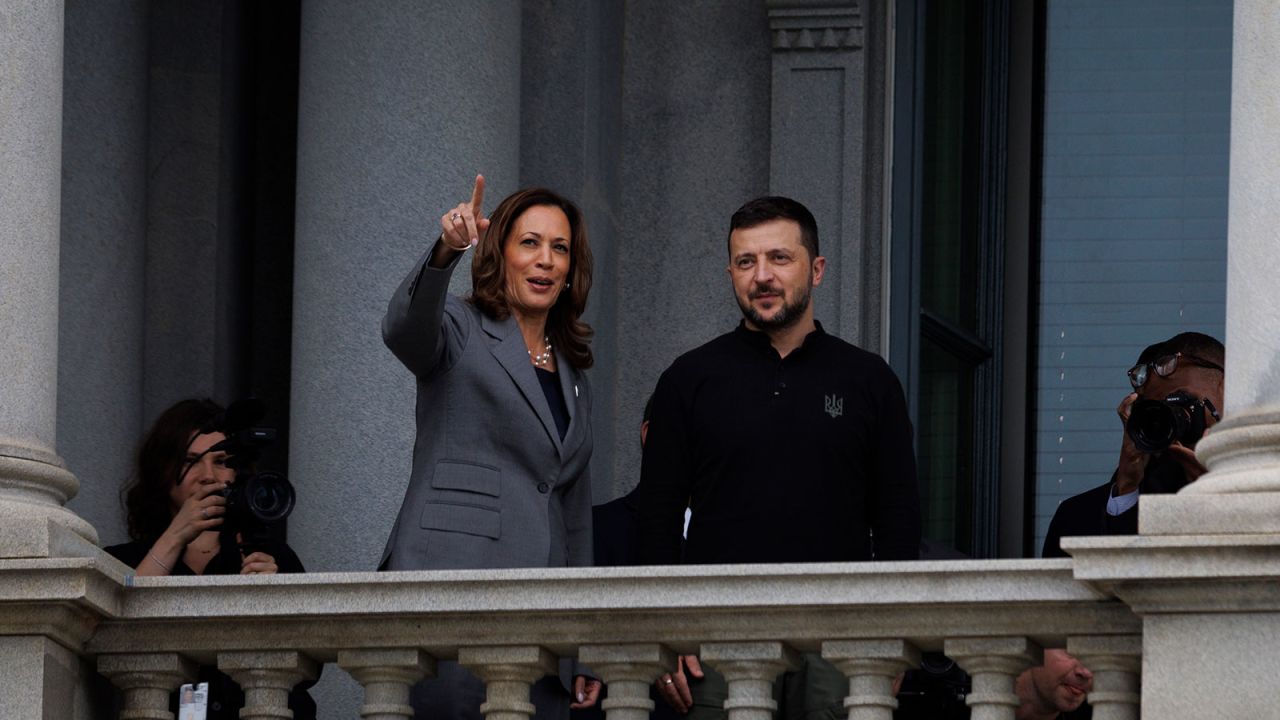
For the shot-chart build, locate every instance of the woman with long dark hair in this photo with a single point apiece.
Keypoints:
(175, 509)
(499, 474)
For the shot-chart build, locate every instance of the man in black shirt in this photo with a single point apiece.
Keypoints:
(788, 444)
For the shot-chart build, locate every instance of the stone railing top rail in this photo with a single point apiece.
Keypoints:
(560, 609)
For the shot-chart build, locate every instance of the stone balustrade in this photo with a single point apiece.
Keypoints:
(751, 622)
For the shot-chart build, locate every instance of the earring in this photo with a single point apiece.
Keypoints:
(566, 284)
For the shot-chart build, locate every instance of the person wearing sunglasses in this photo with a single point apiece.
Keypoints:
(1184, 373)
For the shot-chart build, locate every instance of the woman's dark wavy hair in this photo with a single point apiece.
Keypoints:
(160, 459)
(488, 273)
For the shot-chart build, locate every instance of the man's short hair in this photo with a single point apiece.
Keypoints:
(1187, 343)
(774, 207)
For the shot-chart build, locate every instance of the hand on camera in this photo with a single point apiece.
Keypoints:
(1133, 462)
(258, 563)
(200, 512)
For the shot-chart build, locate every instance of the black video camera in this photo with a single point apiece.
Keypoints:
(257, 502)
(1156, 424)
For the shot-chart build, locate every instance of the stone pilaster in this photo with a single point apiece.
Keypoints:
(266, 679)
(1116, 664)
(871, 666)
(34, 481)
(386, 676)
(750, 668)
(993, 664)
(628, 671)
(508, 673)
(824, 121)
(146, 680)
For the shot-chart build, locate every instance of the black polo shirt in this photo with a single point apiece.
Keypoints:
(796, 459)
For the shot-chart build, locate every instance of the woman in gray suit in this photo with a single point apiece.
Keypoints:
(499, 474)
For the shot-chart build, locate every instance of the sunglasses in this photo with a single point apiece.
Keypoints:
(1166, 365)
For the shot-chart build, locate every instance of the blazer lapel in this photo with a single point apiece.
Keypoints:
(509, 350)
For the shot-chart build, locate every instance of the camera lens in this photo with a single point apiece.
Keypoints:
(1154, 425)
(270, 497)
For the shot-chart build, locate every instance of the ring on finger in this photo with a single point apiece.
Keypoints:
(455, 217)
(668, 681)
(204, 513)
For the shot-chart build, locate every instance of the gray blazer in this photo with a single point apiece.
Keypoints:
(492, 485)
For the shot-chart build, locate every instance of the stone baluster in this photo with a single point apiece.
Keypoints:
(266, 679)
(508, 672)
(994, 665)
(1116, 664)
(146, 679)
(386, 676)
(871, 666)
(628, 671)
(750, 669)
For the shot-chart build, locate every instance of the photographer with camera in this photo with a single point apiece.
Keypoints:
(1177, 396)
(195, 508)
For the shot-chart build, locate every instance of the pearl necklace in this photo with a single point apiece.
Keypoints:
(543, 358)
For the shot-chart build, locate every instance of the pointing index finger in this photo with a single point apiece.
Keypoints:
(477, 196)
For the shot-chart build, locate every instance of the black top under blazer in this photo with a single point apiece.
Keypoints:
(493, 485)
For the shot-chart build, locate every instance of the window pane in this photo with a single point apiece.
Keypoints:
(945, 446)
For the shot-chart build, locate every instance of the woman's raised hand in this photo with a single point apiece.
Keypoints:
(202, 511)
(463, 226)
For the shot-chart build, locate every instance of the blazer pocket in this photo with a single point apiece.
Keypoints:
(462, 519)
(467, 477)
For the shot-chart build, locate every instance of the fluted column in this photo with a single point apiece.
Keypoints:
(994, 665)
(386, 676)
(266, 679)
(1116, 664)
(34, 481)
(146, 679)
(871, 666)
(628, 671)
(750, 668)
(1241, 493)
(508, 672)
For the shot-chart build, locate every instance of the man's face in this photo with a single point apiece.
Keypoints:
(1061, 683)
(1202, 382)
(773, 274)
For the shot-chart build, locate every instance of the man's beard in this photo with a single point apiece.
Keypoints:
(786, 316)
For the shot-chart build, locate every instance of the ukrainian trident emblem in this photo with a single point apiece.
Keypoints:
(834, 406)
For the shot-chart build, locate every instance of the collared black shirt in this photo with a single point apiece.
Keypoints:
(796, 459)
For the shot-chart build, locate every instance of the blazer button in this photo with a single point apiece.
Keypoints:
(544, 488)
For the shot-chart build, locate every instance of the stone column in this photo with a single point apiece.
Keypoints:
(1116, 664)
(400, 104)
(750, 669)
(695, 146)
(993, 664)
(871, 666)
(628, 671)
(103, 265)
(266, 679)
(386, 676)
(508, 673)
(146, 679)
(34, 481)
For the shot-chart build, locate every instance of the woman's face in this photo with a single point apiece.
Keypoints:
(536, 260)
(199, 470)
